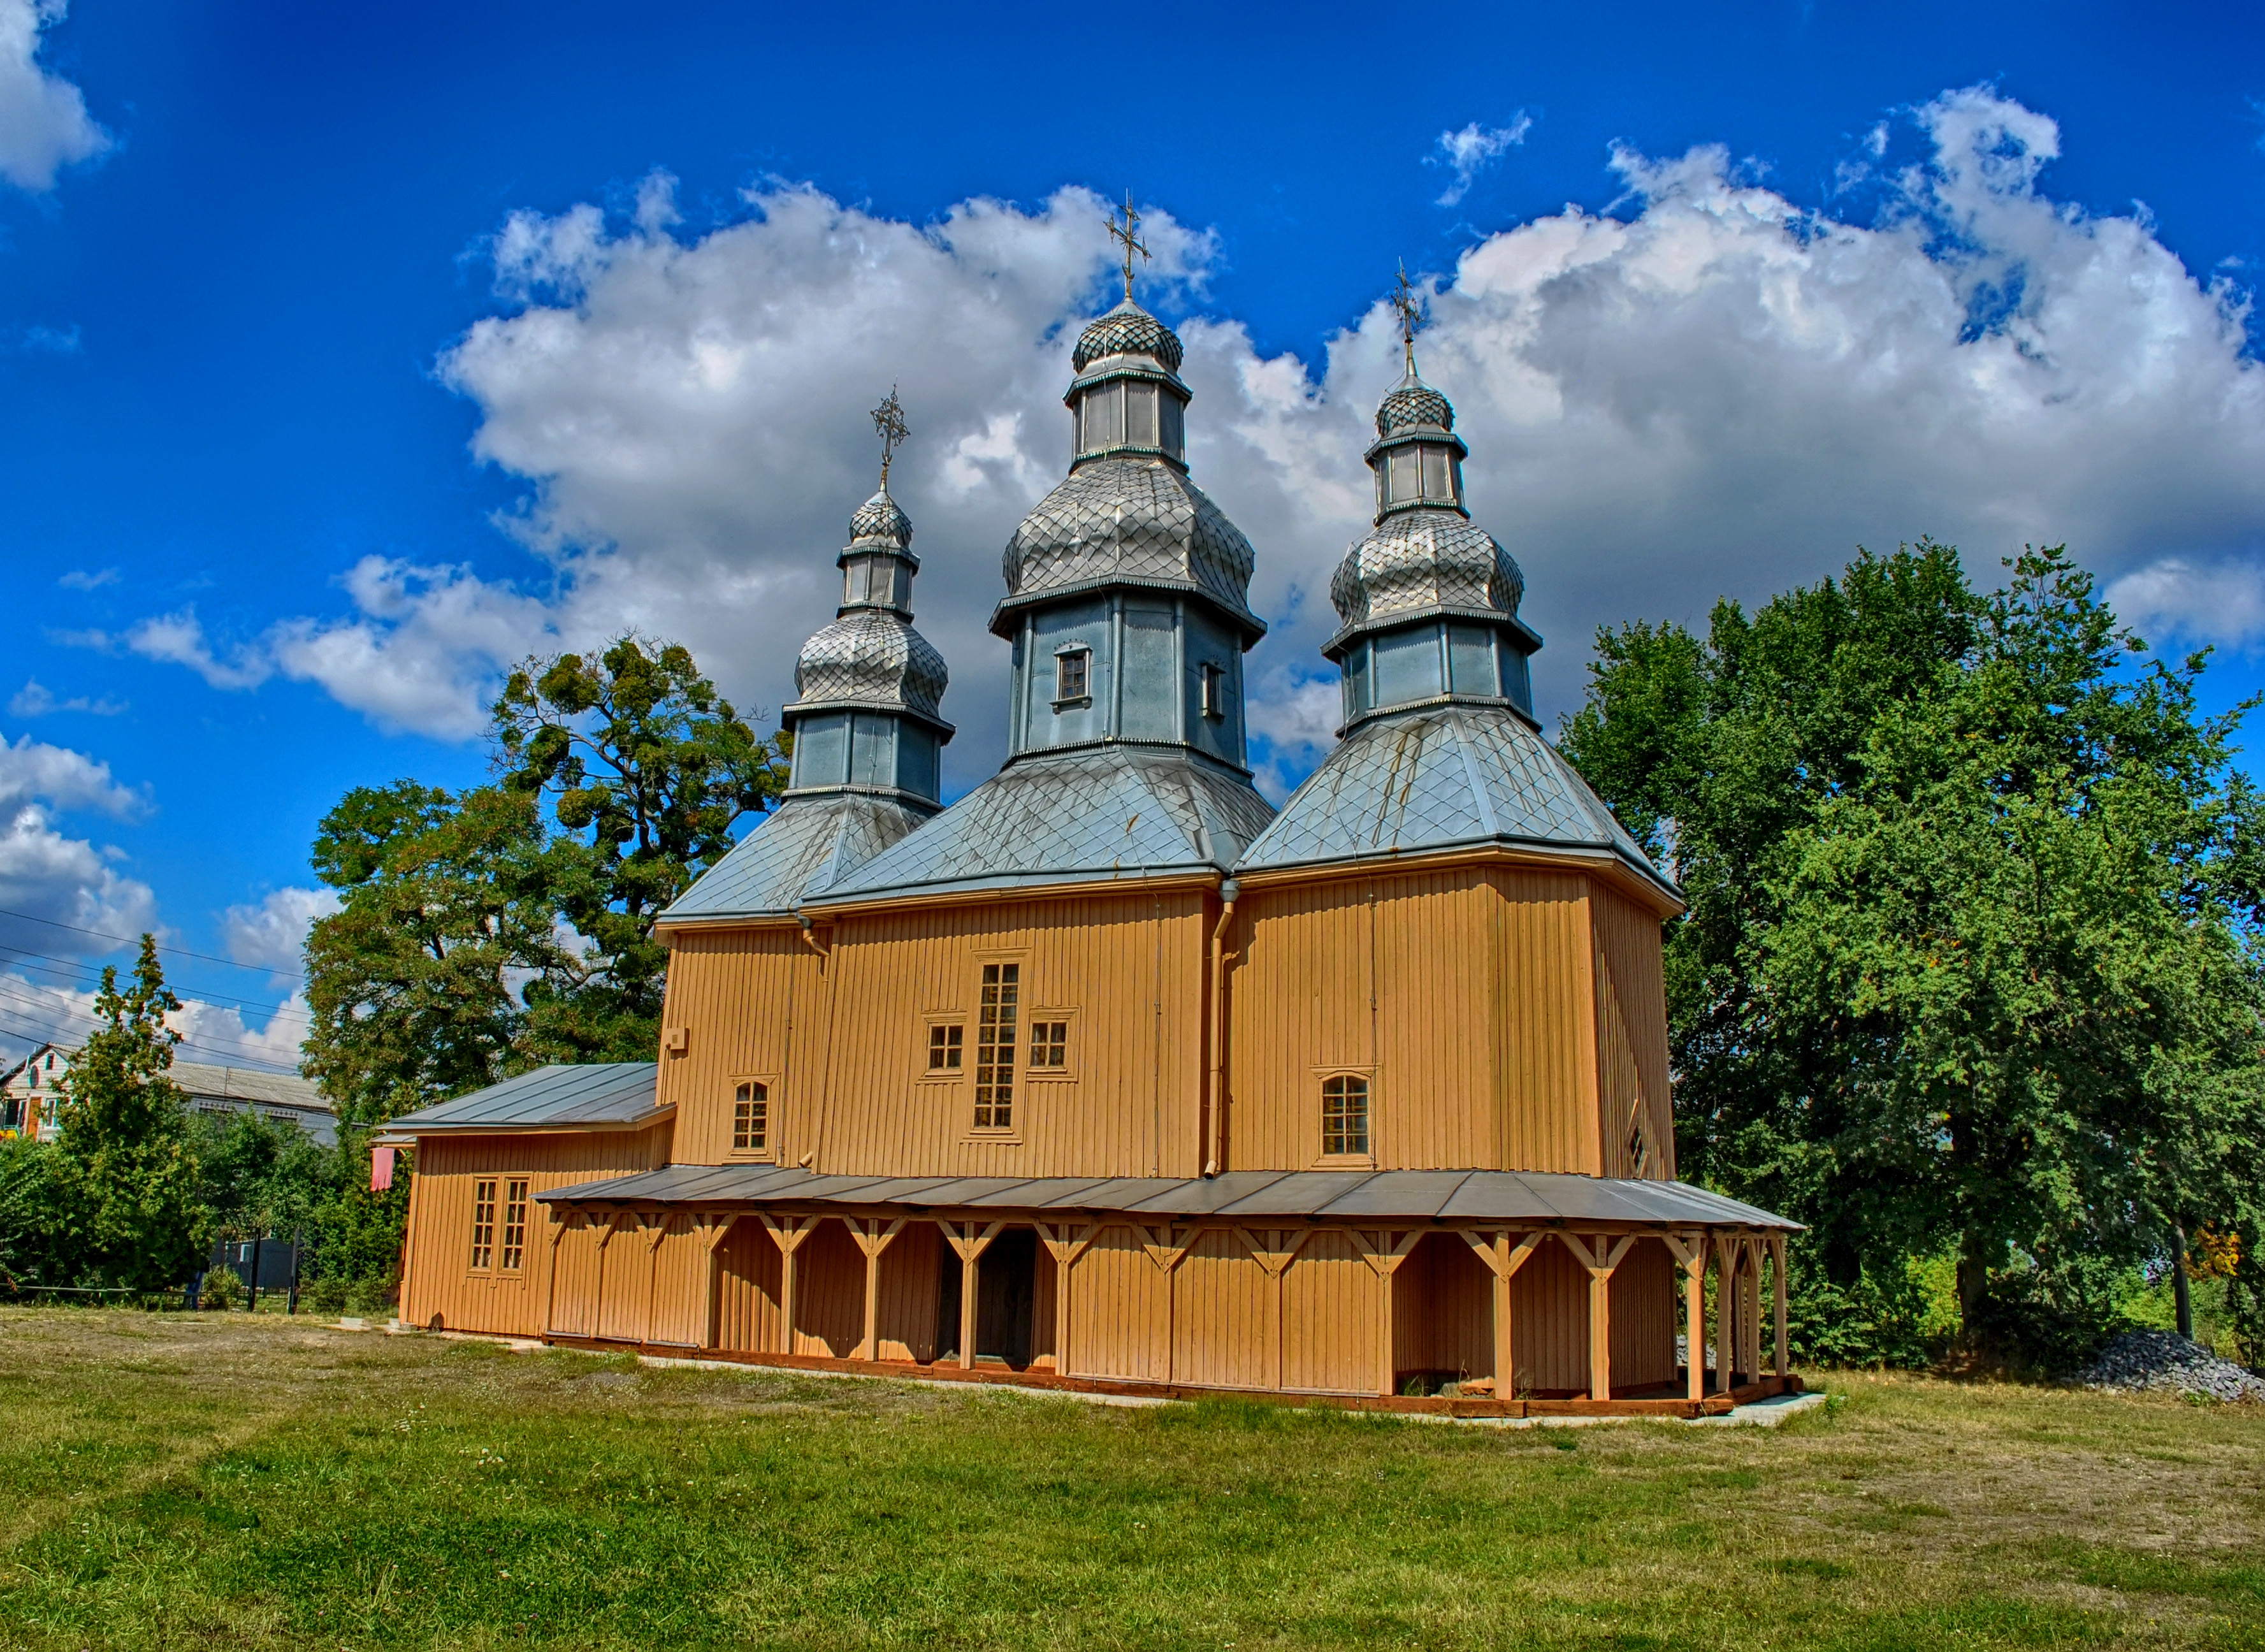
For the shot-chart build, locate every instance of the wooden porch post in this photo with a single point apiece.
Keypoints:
(1754, 1307)
(1385, 1254)
(1601, 1261)
(1728, 1250)
(1777, 1291)
(1065, 1242)
(1504, 1260)
(873, 1235)
(1691, 1253)
(968, 1246)
(1167, 1248)
(788, 1233)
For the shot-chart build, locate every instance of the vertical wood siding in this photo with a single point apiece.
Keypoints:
(441, 1279)
(1443, 1310)
(1117, 1314)
(1632, 1033)
(754, 1002)
(1643, 1316)
(748, 1290)
(679, 1286)
(1542, 942)
(1222, 1315)
(1549, 1323)
(829, 1293)
(908, 1296)
(1332, 1316)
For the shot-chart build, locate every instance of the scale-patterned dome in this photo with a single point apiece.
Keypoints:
(1131, 521)
(1127, 330)
(881, 518)
(1413, 404)
(1424, 560)
(871, 657)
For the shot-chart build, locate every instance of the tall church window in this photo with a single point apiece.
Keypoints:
(514, 1224)
(1104, 417)
(484, 1214)
(1344, 1114)
(995, 1046)
(751, 1117)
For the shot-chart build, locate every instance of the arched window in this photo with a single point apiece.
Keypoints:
(1344, 1114)
(750, 1119)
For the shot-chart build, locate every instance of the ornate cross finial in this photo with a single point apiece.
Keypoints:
(1129, 233)
(1411, 316)
(889, 419)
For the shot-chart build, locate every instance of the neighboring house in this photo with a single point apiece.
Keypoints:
(1109, 1074)
(31, 1091)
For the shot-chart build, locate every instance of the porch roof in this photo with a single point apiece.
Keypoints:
(1256, 1196)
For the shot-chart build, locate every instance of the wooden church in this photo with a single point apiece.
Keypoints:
(1109, 1076)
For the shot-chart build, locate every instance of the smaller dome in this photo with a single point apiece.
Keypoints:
(871, 657)
(881, 518)
(1414, 402)
(1127, 330)
(1422, 562)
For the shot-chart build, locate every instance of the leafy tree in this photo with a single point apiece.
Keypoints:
(261, 1175)
(31, 1215)
(127, 1175)
(647, 769)
(415, 982)
(1968, 962)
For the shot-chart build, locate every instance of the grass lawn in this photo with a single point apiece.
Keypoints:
(230, 1481)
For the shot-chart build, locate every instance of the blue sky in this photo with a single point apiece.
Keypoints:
(347, 355)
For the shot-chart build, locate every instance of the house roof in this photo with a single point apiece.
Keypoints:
(1098, 813)
(805, 846)
(1456, 776)
(593, 1095)
(201, 1079)
(1486, 1195)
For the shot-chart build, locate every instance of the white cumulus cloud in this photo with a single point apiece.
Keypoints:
(1712, 390)
(1472, 150)
(44, 124)
(271, 934)
(53, 886)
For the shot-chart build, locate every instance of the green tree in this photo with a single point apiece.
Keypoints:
(31, 1215)
(127, 1173)
(647, 769)
(1967, 964)
(415, 982)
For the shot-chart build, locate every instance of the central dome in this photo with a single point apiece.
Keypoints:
(1423, 562)
(869, 656)
(1127, 330)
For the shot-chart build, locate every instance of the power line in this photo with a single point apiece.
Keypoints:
(50, 1031)
(66, 967)
(128, 941)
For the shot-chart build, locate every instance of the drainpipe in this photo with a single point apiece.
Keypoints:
(810, 935)
(1215, 1131)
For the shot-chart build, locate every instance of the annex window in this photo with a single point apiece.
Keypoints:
(1073, 675)
(1048, 1045)
(1215, 690)
(995, 1047)
(1639, 1151)
(514, 1224)
(1344, 1114)
(751, 1117)
(483, 1201)
(945, 1043)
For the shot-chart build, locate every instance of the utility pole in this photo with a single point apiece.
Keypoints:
(2182, 1293)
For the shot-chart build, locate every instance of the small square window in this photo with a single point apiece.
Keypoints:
(943, 1047)
(1050, 1043)
(751, 1117)
(1073, 675)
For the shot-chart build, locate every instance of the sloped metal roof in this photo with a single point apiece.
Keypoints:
(1099, 813)
(590, 1096)
(1452, 777)
(1486, 1196)
(207, 1079)
(805, 846)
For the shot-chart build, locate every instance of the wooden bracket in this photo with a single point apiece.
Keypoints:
(719, 1228)
(1067, 1242)
(1161, 1251)
(873, 1234)
(1606, 1256)
(614, 1224)
(971, 1243)
(1503, 1258)
(1384, 1253)
(788, 1232)
(1281, 1249)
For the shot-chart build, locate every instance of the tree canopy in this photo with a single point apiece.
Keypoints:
(1971, 967)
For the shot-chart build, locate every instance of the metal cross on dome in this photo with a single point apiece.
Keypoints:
(889, 419)
(1129, 233)
(1411, 316)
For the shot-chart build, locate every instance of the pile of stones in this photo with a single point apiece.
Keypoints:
(2161, 1360)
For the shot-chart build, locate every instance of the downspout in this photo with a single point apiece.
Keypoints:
(817, 1129)
(1215, 1122)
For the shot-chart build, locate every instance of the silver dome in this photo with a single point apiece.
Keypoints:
(871, 657)
(1129, 522)
(1127, 330)
(1423, 561)
(1414, 404)
(880, 521)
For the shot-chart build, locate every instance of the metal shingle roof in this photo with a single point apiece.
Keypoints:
(1114, 811)
(804, 845)
(592, 1094)
(1456, 775)
(1493, 1196)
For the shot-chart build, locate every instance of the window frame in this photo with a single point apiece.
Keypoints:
(1033, 1018)
(484, 1224)
(930, 1023)
(518, 1208)
(1010, 1129)
(732, 1153)
(1082, 654)
(1323, 1159)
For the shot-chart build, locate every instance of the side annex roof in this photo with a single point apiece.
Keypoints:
(593, 1095)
